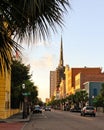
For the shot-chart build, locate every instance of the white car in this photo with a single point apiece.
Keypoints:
(47, 108)
(88, 110)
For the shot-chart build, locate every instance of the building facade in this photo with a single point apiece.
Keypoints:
(58, 76)
(65, 80)
(76, 77)
(5, 83)
(52, 84)
(93, 89)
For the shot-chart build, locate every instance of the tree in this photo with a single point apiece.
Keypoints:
(31, 89)
(81, 97)
(20, 75)
(99, 100)
(27, 19)
(71, 99)
(102, 91)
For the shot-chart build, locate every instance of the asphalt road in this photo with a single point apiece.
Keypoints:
(62, 120)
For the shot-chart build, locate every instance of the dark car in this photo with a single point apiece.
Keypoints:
(88, 110)
(37, 109)
(47, 108)
(77, 109)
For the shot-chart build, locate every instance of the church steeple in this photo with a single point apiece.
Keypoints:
(61, 54)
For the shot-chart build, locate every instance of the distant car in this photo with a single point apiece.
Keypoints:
(47, 108)
(88, 110)
(37, 109)
(75, 109)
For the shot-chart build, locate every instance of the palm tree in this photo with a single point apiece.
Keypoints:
(27, 19)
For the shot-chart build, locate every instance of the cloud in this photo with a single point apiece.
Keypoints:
(47, 61)
(41, 57)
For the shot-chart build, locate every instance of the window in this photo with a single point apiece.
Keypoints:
(95, 91)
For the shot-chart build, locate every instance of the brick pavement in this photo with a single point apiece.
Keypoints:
(11, 126)
(14, 122)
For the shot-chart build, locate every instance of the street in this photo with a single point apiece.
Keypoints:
(64, 120)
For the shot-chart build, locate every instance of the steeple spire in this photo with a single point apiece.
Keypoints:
(61, 54)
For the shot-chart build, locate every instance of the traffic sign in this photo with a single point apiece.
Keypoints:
(26, 94)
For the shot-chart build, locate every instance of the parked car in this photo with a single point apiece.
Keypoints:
(47, 108)
(88, 110)
(77, 109)
(37, 109)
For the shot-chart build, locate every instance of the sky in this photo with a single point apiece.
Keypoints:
(83, 44)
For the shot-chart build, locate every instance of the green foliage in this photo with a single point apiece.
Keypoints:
(102, 91)
(73, 99)
(20, 75)
(99, 100)
(81, 96)
(30, 88)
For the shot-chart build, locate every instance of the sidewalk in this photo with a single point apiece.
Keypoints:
(16, 118)
(15, 122)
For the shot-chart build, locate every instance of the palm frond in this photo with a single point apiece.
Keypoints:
(30, 19)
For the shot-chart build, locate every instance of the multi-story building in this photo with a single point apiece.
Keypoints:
(65, 81)
(88, 74)
(93, 89)
(76, 77)
(62, 89)
(58, 75)
(47, 100)
(5, 86)
(5, 95)
(52, 84)
(5, 82)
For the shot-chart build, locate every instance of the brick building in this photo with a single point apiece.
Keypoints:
(75, 77)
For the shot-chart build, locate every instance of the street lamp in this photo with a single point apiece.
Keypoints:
(93, 99)
(23, 86)
(24, 103)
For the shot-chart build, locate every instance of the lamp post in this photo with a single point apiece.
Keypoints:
(93, 99)
(24, 103)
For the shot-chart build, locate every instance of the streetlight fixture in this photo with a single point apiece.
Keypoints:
(23, 86)
(92, 99)
(24, 103)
